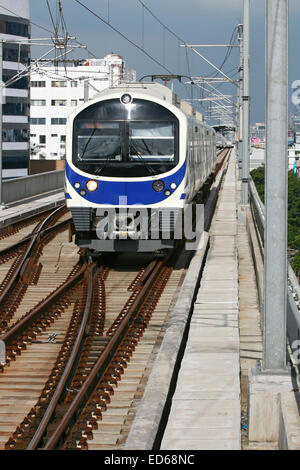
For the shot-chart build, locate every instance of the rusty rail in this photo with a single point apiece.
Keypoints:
(25, 240)
(15, 227)
(221, 158)
(33, 240)
(101, 363)
(18, 329)
(70, 364)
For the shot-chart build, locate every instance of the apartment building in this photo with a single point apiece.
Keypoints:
(57, 91)
(15, 26)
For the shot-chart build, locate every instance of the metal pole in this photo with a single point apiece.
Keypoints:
(240, 103)
(2, 205)
(86, 90)
(275, 282)
(246, 102)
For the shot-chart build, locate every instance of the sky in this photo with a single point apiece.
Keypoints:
(194, 21)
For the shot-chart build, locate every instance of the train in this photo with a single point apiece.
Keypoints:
(221, 141)
(137, 157)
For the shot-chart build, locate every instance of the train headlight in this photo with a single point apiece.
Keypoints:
(167, 192)
(158, 186)
(173, 186)
(92, 185)
(82, 192)
(76, 185)
(126, 99)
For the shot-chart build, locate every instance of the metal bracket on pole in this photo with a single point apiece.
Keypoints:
(211, 64)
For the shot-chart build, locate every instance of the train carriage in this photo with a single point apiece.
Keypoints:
(137, 156)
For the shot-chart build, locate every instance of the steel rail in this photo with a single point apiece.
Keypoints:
(220, 160)
(33, 240)
(19, 327)
(25, 240)
(95, 374)
(147, 271)
(69, 366)
(14, 227)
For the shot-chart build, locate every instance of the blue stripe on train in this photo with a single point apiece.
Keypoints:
(136, 192)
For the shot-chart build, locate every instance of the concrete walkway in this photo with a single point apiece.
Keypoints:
(205, 411)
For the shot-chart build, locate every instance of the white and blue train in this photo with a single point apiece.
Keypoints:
(134, 148)
(221, 141)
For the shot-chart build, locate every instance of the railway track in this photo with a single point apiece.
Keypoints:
(91, 357)
(78, 360)
(25, 266)
(13, 239)
(22, 228)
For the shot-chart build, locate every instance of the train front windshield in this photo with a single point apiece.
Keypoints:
(113, 139)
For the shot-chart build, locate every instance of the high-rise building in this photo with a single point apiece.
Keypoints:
(15, 26)
(56, 92)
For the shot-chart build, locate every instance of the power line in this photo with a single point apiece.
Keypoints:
(56, 75)
(51, 16)
(123, 35)
(142, 49)
(229, 49)
(31, 22)
(161, 23)
(44, 28)
(166, 28)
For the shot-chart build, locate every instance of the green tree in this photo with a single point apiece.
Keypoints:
(258, 176)
(296, 264)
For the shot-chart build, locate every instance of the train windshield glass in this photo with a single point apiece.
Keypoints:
(99, 141)
(113, 139)
(151, 141)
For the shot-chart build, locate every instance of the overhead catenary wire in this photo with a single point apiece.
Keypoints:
(229, 48)
(44, 28)
(51, 16)
(30, 21)
(161, 23)
(107, 21)
(181, 40)
(27, 70)
(56, 75)
(123, 35)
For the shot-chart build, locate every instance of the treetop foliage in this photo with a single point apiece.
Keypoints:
(258, 176)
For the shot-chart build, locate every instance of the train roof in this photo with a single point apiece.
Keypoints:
(153, 89)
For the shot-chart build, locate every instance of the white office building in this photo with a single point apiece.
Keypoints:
(15, 26)
(57, 91)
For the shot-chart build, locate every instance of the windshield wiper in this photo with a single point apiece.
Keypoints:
(147, 165)
(87, 144)
(99, 171)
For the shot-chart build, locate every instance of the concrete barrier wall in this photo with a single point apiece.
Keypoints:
(289, 424)
(21, 188)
